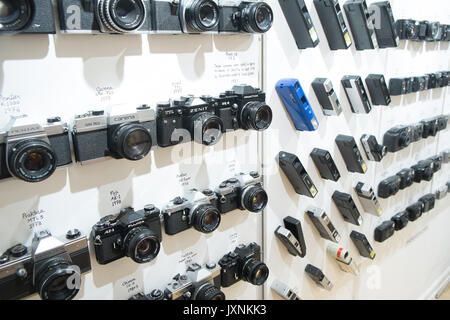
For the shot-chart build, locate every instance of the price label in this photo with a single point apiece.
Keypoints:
(35, 219)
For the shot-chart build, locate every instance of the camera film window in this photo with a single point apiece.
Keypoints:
(300, 23)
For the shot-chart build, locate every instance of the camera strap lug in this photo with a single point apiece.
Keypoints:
(98, 241)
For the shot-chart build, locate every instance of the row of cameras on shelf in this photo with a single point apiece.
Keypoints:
(137, 235)
(371, 26)
(297, 104)
(32, 151)
(136, 16)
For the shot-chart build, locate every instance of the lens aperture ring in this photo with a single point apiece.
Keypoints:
(121, 143)
(107, 10)
(208, 291)
(141, 236)
(255, 115)
(18, 18)
(254, 198)
(193, 15)
(254, 271)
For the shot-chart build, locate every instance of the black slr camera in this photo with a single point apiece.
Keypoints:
(104, 16)
(389, 187)
(199, 283)
(245, 16)
(423, 170)
(196, 209)
(135, 234)
(26, 16)
(397, 138)
(244, 263)
(244, 191)
(51, 267)
(118, 134)
(31, 151)
(243, 107)
(428, 201)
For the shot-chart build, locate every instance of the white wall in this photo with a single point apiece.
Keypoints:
(403, 268)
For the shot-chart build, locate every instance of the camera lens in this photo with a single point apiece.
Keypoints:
(142, 245)
(131, 141)
(255, 272)
(254, 198)
(207, 128)
(206, 218)
(256, 115)
(122, 16)
(207, 291)
(32, 160)
(257, 17)
(54, 279)
(202, 15)
(14, 14)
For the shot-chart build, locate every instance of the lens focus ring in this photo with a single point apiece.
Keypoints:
(255, 272)
(257, 17)
(141, 245)
(14, 14)
(122, 16)
(254, 198)
(202, 15)
(205, 218)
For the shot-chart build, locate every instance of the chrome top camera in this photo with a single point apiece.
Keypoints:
(119, 134)
(243, 191)
(135, 234)
(31, 151)
(26, 16)
(51, 266)
(245, 16)
(196, 209)
(104, 16)
(199, 283)
(397, 138)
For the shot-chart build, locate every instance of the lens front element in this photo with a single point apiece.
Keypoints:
(254, 198)
(256, 115)
(255, 272)
(206, 218)
(257, 17)
(122, 16)
(202, 15)
(14, 14)
(142, 245)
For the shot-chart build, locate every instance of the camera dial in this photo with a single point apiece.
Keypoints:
(255, 272)
(141, 245)
(202, 15)
(14, 14)
(122, 16)
(256, 115)
(32, 160)
(254, 198)
(131, 141)
(205, 218)
(256, 17)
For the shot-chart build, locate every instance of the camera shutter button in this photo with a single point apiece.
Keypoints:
(149, 208)
(18, 250)
(73, 233)
(178, 200)
(254, 174)
(53, 120)
(208, 192)
(210, 265)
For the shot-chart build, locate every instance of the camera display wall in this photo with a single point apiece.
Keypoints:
(407, 264)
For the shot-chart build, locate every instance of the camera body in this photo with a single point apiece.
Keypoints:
(423, 170)
(407, 29)
(32, 151)
(241, 107)
(397, 138)
(384, 231)
(104, 16)
(400, 220)
(374, 151)
(416, 132)
(430, 127)
(244, 263)
(241, 16)
(199, 283)
(27, 16)
(196, 209)
(40, 267)
(244, 191)
(326, 96)
(153, 295)
(356, 94)
(415, 211)
(406, 178)
(119, 134)
(135, 234)
(389, 187)
(428, 201)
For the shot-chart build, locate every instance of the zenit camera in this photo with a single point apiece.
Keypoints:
(104, 16)
(199, 283)
(118, 134)
(195, 209)
(32, 151)
(26, 16)
(389, 187)
(244, 263)
(245, 16)
(51, 266)
(397, 138)
(428, 201)
(135, 234)
(243, 191)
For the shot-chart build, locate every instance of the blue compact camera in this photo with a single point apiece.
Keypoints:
(296, 103)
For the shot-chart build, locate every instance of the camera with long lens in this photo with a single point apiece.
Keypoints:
(31, 151)
(397, 138)
(26, 16)
(195, 209)
(188, 118)
(118, 134)
(423, 171)
(51, 266)
(104, 16)
(244, 263)
(243, 107)
(199, 283)
(135, 234)
(243, 191)
(245, 16)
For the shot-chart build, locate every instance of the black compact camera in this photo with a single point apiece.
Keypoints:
(407, 29)
(406, 178)
(415, 211)
(245, 16)
(428, 201)
(104, 16)
(397, 138)
(423, 170)
(389, 187)
(430, 127)
(442, 122)
(135, 234)
(417, 132)
(437, 162)
(195, 209)
(120, 134)
(51, 267)
(32, 151)
(243, 107)
(26, 16)
(244, 191)
(244, 263)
